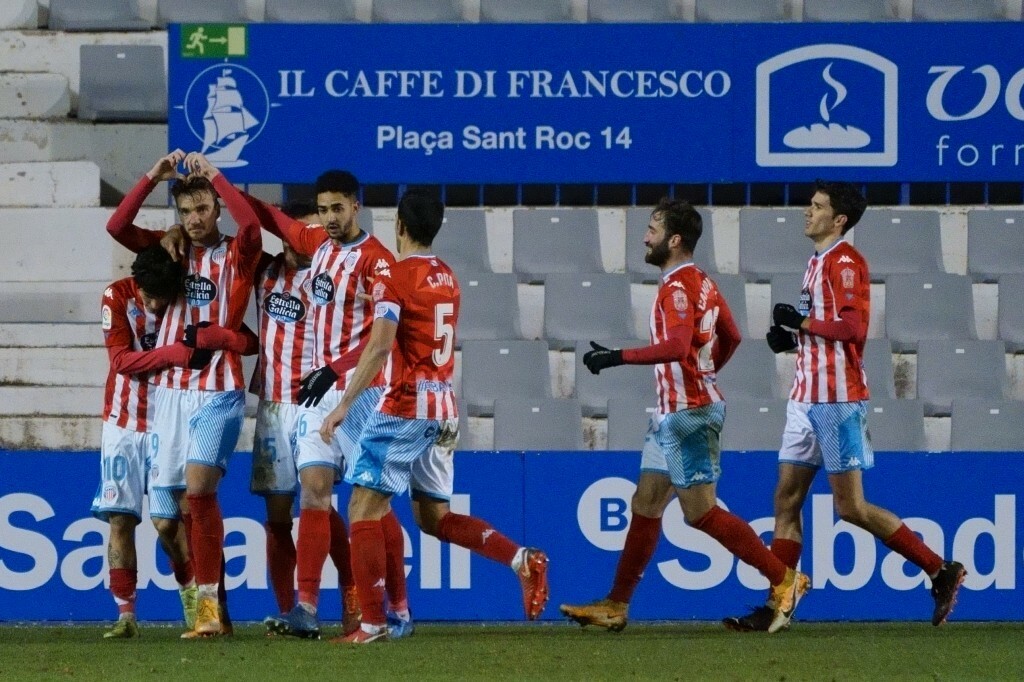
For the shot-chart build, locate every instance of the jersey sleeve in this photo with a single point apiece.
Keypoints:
(120, 225)
(676, 307)
(117, 332)
(387, 295)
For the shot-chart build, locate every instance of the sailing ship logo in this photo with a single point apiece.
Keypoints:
(226, 107)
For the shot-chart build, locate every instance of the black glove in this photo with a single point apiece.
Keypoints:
(315, 384)
(191, 334)
(785, 315)
(200, 358)
(780, 340)
(601, 358)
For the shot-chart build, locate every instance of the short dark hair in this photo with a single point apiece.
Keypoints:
(157, 274)
(682, 219)
(846, 200)
(422, 215)
(192, 184)
(299, 208)
(340, 181)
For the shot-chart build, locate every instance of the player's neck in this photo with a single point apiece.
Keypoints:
(212, 240)
(826, 242)
(675, 259)
(408, 248)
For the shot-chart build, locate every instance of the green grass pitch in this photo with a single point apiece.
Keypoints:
(687, 651)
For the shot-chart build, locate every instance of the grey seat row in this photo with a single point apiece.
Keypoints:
(124, 15)
(893, 425)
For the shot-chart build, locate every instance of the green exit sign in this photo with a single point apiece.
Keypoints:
(213, 40)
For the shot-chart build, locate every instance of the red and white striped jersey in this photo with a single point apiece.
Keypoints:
(832, 371)
(127, 324)
(217, 287)
(286, 331)
(422, 294)
(687, 296)
(341, 318)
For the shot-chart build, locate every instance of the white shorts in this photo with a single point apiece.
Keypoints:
(397, 453)
(273, 451)
(312, 450)
(833, 435)
(200, 427)
(124, 467)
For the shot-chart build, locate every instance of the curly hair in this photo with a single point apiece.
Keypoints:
(157, 274)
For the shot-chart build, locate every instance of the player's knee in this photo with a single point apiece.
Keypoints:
(123, 525)
(850, 511)
(166, 528)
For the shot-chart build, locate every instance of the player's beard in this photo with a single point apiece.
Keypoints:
(658, 255)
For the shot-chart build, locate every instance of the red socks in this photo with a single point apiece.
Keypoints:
(738, 537)
(122, 585)
(281, 564)
(904, 541)
(788, 551)
(641, 541)
(313, 546)
(369, 565)
(394, 548)
(476, 535)
(183, 574)
(339, 551)
(207, 534)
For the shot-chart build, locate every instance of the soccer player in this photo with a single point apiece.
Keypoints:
(345, 262)
(410, 438)
(131, 312)
(692, 335)
(826, 418)
(199, 413)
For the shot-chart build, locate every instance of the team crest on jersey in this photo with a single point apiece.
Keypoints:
(351, 260)
(679, 301)
(199, 290)
(378, 291)
(219, 254)
(848, 276)
(284, 308)
(154, 471)
(323, 289)
(109, 493)
(148, 341)
(107, 318)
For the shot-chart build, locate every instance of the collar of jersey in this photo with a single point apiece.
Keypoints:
(664, 278)
(837, 243)
(363, 236)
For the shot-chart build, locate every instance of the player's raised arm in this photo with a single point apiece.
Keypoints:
(295, 232)
(120, 226)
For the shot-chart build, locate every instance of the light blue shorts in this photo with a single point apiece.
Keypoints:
(833, 435)
(124, 468)
(273, 450)
(686, 445)
(395, 452)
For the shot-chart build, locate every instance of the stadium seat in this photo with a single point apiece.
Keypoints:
(122, 83)
(1011, 312)
(995, 244)
(312, 11)
(734, 289)
(547, 241)
(957, 10)
(200, 11)
(634, 11)
(462, 241)
(936, 306)
(96, 15)
(750, 373)
(584, 307)
(489, 309)
(899, 242)
(629, 382)
(628, 421)
(417, 11)
(468, 439)
(503, 369)
(752, 424)
(525, 11)
(987, 425)
(639, 270)
(844, 10)
(772, 242)
(739, 10)
(878, 366)
(950, 370)
(785, 289)
(896, 425)
(540, 424)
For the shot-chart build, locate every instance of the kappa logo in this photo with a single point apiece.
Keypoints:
(379, 584)
(845, 259)
(486, 534)
(826, 105)
(678, 285)
(226, 107)
(365, 477)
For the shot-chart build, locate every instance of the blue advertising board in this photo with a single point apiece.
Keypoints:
(607, 103)
(575, 506)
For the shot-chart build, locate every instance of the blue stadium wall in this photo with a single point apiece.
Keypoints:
(574, 505)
